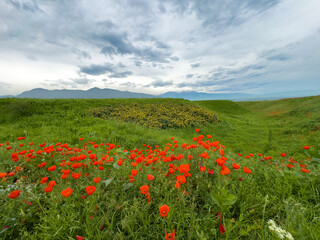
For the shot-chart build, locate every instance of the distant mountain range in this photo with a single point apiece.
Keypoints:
(190, 95)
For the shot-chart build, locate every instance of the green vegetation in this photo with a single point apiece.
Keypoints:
(195, 175)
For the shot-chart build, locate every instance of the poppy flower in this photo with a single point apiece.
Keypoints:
(235, 166)
(170, 236)
(134, 172)
(305, 170)
(306, 147)
(67, 192)
(90, 190)
(197, 130)
(79, 237)
(76, 175)
(14, 194)
(97, 180)
(144, 189)
(150, 177)
(52, 183)
(164, 210)
(246, 170)
(2, 175)
(224, 170)
(221, 229)
(52, 168)
(44, 180)
(48, 189)
(211, 172)
(283, 154)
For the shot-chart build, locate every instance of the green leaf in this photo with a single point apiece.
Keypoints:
(126, 186)
(108, 181)
(116, 166)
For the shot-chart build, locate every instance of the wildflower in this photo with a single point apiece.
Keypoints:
(210, 172)
(305, 170)
(279, 231)
(197, 130)
(221, 229)
(224, 170)
(80, 237)
(134, 172)
(150, 177)
(97, 180)
(14, 194)
(90, 190)
(44, 180)
(52, 168)
(283, 154)
(164, 210)
(170, 236)
(48, 189)
(235, 166)
(246, 170)
(306, 147)
(144, 189)
(67, 192)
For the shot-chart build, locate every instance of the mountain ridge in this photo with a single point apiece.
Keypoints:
(102, 93)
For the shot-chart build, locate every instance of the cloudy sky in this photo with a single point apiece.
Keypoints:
(157, 46)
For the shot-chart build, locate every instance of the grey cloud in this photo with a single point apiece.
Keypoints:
(26, 5)
(82, 81)
(174, 58)
(195, 65)
(278, 57)
(120, 74)
(138, 63)
(96, 70)
(160, 83)
(188, 76)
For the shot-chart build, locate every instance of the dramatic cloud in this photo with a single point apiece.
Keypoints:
(210, 46)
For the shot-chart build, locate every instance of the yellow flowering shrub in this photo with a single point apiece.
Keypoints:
(162, 115)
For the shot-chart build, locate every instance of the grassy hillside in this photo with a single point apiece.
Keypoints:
(103, 169)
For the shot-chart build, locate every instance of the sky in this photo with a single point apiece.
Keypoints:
(156, 46)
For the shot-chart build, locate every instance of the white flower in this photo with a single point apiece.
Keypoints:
(282, 234)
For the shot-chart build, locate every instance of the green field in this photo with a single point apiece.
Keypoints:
(149, 135)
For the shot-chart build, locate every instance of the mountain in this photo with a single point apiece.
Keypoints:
(191, 95)
(7, 96)
(91, 93)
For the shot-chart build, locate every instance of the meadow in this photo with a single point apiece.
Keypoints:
(159, 169)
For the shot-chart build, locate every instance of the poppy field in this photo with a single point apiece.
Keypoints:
(66, 174)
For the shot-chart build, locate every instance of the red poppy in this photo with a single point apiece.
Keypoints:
(150, 177)
(197, 130)
(52, 168)
(79, 237)
(14, 194)
(90, 190)
(221, 229)
(305, 170)
(283, 154)
(48, 189)
(144, 189)
(67, 192)
(44, 180)
(52, 183)
(97, 180)
(246, 170)
(235, 166)
(170, 236)
(306, 147)
(164, 210)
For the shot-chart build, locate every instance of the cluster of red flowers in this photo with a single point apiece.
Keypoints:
(76, 161)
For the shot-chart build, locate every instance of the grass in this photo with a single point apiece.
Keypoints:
(275, 189)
